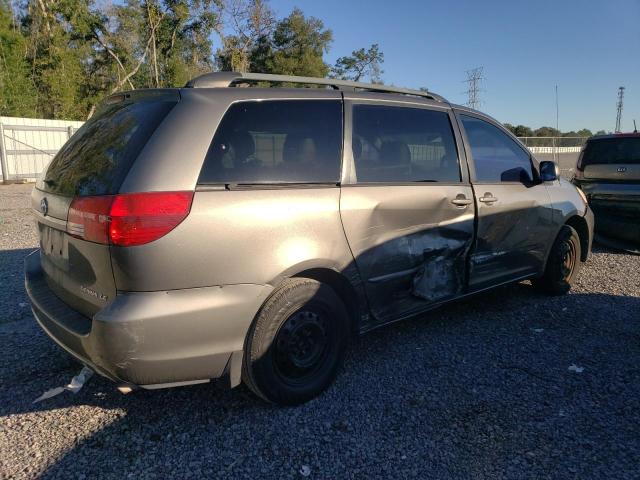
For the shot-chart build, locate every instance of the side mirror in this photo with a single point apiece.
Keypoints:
(549, 171)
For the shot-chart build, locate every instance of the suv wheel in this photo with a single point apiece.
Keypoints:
(296, 343)
(563, 264)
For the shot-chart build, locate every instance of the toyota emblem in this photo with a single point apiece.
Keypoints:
(44, 206)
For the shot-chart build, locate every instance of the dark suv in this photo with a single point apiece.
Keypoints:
(608, 171)
(246, 233)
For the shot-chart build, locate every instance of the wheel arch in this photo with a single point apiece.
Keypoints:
(344, 288)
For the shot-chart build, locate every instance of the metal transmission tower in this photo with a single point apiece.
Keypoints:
(474, 78)
(619, 105)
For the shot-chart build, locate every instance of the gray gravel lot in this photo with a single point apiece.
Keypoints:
(480, 389)
(17, 238)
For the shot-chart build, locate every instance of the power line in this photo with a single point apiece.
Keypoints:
(619, 105)
(474, 79)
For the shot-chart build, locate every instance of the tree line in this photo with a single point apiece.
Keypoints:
(60, 58)
(523, 131)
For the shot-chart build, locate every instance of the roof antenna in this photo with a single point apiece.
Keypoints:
(635, 128)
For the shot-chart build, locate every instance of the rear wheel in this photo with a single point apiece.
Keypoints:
(563, 264)
(296, 343)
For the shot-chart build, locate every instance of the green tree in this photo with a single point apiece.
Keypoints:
(585, 132)
(298, 46)
(159, 43)
(523, 131)
(361, 63)
(55, 59)
(252, 23)
(510, 127)
(182, 46)
(60, 58)
(546, 132)
(17, 91)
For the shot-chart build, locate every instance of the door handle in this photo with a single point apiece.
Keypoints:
(488, 198)
(461, 200)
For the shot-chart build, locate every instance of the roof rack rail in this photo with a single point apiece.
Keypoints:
(227, 79)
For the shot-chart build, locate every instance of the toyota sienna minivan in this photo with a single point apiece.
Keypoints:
(245, 234)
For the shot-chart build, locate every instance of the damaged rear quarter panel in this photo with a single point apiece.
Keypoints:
(255, 236)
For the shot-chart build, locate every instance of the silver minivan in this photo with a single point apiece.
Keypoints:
(245, 234)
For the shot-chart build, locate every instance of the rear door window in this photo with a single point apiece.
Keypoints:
(496, 156)
(400, 144)
(99, 155)
(277, 141)
(612, 151)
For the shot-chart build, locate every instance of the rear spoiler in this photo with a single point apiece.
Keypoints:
(145, 94)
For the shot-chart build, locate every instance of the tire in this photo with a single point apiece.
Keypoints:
(296, 343)
(563, 264)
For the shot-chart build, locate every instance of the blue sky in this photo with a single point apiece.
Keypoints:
(588, 48)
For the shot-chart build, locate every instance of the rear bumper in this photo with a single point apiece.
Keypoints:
(153, 339)
(620, 221)
(616, 207)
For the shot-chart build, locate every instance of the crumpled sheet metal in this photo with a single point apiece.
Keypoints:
(428, 266)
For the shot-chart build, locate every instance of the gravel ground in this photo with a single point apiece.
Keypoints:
(17, 238)
(509, 385)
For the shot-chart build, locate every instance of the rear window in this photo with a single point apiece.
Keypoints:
(290, 141)
(612, 150)
(99, 155)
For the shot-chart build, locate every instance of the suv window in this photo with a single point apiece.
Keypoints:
(401, 144)
(277, 141)
(496, 156)
(99, 155)
(611, 151)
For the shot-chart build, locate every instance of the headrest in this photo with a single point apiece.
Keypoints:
(298, 148)
(395, 153)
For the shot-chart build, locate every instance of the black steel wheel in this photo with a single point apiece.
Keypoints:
(296, 343)
(563, 264)
(301, 345)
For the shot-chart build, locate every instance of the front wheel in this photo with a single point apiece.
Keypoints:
(563, 264)
(296, 343)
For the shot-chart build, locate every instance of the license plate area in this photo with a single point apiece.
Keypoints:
(54, 245)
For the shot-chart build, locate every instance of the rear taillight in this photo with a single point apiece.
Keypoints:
(128, 219)
(89, 218)
(138, 218)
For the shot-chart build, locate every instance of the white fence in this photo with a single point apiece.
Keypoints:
(555, 149)
(554, 145)
(27, 145)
